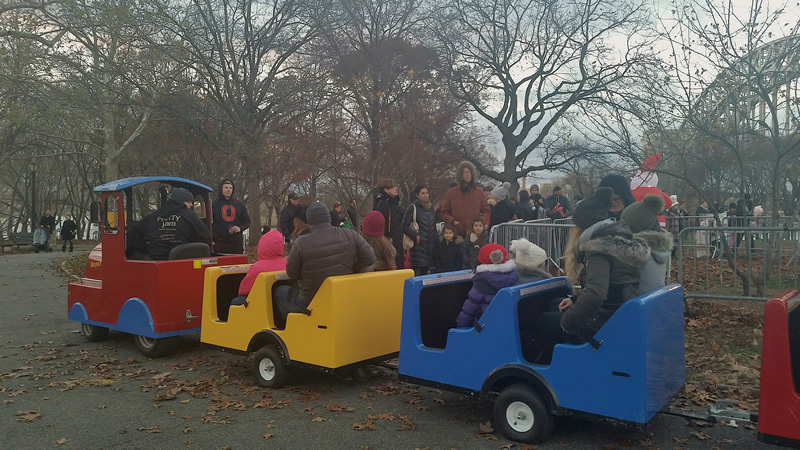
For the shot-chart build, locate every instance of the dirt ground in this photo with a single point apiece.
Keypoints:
(723, 353)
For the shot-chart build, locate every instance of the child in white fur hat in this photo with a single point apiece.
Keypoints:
(530, 260)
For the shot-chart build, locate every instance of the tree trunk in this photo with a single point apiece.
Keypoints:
(254, 202)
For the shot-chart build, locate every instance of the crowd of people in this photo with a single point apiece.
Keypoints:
(616, 250)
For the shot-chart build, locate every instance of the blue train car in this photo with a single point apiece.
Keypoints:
(636, 369)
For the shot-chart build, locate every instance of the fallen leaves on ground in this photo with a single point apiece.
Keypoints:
(369, 425)
(28, 416)
(485, 431)
(723, 354)
(62, 441)
(153, 429)
(384, 416)
(407, 424)
(700, 435)
(338, 408)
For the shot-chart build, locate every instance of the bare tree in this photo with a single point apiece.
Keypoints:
(239, 50)
(525, 66)
(723, 107)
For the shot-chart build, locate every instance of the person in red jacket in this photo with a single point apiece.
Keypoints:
(270, 259)
(465, 202)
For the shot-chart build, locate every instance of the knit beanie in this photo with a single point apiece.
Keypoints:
(501, 192)
(527, 255)
(674, 199)
(181, 195)
(318, 213)
(642, 216)
(620, 186)
(593, 209)
(492, 254)
(374, 224)
(524, 196)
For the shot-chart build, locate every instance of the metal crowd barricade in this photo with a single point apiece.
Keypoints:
(704, 268)
(551, 237)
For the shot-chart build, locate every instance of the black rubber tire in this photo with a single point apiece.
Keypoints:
(521, 414)
(269, 368)
(155, 348)
(93, 333)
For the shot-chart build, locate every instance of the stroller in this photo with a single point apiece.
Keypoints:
(41, 241)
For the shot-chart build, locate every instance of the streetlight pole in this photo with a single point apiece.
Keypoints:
(34, 217)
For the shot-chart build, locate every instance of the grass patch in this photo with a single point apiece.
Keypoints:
(76, 265)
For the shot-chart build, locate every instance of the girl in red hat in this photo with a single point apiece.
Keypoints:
(492, 274)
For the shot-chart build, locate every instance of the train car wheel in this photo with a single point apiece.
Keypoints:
(521, 414)
(93, 333)
(155, 348)
(268, 367)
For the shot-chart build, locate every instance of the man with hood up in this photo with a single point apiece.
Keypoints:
(465, 202)
(288, 213)
(173, 224)
(230, 220)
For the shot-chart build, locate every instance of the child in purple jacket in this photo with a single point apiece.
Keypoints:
(492, 274)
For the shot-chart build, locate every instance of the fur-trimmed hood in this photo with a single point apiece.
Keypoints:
(528, 274)
(475, 237)
(660, 243)
(505, 267)
(627, 250)
(460, 172)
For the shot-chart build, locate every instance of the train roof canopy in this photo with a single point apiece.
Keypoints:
(124, 183)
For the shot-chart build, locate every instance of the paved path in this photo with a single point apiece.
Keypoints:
(58, 390)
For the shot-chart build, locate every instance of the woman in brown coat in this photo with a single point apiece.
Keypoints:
(465, 202)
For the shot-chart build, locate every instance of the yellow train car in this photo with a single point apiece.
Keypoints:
(354, 319)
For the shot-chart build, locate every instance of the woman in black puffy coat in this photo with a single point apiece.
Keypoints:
(426, 238)
(388, 203)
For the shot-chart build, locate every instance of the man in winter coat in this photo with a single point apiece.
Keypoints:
(326, 252)
(288, 213)
(557, 205)
(465, 202)
(173, 224)
(622, 195)
(230, 220)
(47, 222)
